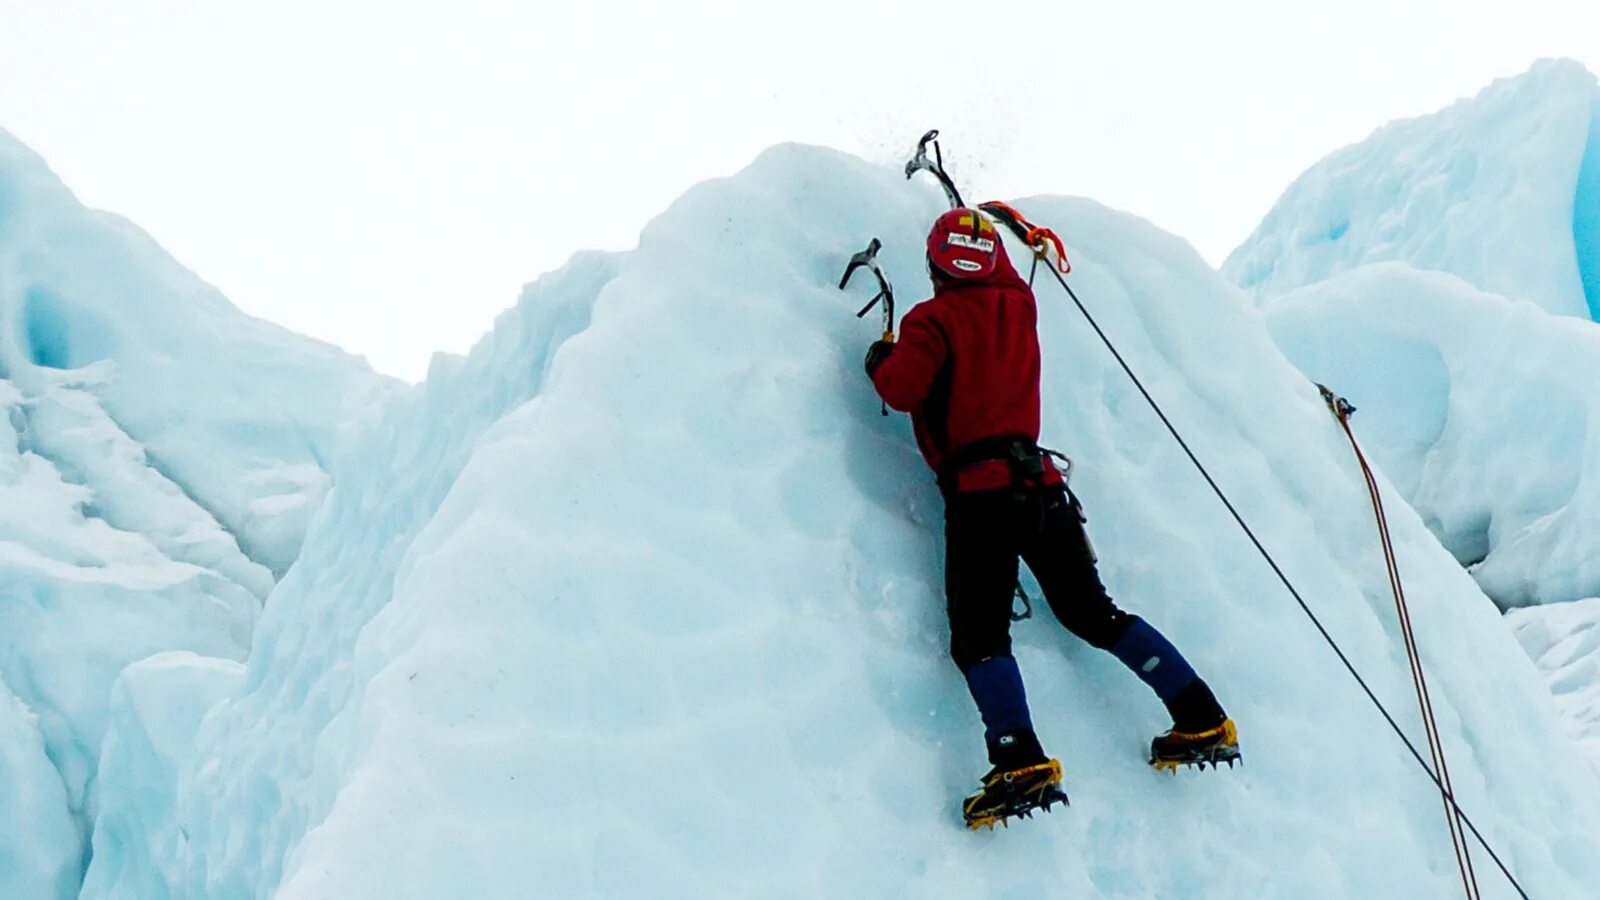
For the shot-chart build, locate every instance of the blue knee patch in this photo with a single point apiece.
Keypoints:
(996, 686)
(1154, 659)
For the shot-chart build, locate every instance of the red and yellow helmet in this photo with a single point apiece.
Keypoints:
(963, 244)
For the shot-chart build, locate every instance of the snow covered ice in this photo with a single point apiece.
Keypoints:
(642, 596)
(1482, 410)
(1444, 275)
(1502, 190)
(1564, 638)
(159, 462)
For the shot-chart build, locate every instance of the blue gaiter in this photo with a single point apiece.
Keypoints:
(1153, 659)
(996, 686)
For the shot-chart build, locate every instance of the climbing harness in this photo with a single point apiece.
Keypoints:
(1025, 458)
(1342, 410)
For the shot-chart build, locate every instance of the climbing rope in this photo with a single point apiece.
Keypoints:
(1444, 789)
(1041, 241)
(1341, 410)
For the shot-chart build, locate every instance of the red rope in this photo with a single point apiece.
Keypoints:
(1458, 839)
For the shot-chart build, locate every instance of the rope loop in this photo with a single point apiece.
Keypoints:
(1039, 239)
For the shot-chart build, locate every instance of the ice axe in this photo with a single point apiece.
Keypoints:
(921, 163)
(869, 258)
(1039, 240)
(885, 295)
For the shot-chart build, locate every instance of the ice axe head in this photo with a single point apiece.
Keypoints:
(869, 259)
(921, 163)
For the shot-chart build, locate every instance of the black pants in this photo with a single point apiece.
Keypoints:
(985, 533)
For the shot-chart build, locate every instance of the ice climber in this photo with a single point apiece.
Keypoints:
(966, 367)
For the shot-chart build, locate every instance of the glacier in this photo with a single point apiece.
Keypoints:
(1564, 639)
(1432, 329)
(1497, 447)
(642, 598)
(240, 412)
(160, 457)
(1500, 190)
(1445, 275)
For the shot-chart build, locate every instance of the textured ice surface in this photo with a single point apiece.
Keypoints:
(161, 455)
(642, 599)
(156, 706)
(1440, 275)
(243, 802)
(84, 591)
(1410, 273)
(228, 406)
(39, 842)
(1483, 412)
(1564, 640)
(1502, 190)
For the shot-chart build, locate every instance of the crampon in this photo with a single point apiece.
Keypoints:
(1016, 793)
(1213, 747)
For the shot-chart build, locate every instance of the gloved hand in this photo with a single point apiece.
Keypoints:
(876, 354)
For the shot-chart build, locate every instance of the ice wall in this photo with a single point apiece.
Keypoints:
(642, 599)
(237, 411)
(1443, 274)
(270, 754)
(1499, 190)
(81, 595)
(39, 843)
(1481, 410)
(156, 706)
(161, 455)
(1586, 215)
(1564, 640)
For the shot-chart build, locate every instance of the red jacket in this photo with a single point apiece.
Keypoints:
(967, 367)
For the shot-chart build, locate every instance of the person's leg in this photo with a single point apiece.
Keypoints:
(980, 581)
(1059, 556)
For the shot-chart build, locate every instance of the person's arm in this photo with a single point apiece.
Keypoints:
(903, 372)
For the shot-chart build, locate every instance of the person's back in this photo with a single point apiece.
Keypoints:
(967, 363)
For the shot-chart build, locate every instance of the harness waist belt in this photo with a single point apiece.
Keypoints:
(1021, 451)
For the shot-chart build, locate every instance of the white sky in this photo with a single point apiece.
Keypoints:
(386, 175)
